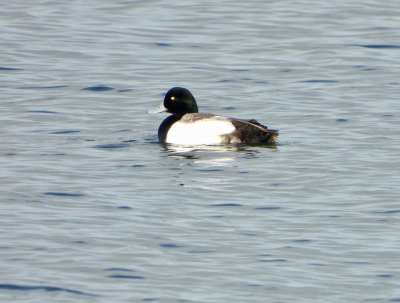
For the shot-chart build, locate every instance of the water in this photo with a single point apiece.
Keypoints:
(95, 210)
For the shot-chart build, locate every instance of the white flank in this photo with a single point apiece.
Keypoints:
(205, 132)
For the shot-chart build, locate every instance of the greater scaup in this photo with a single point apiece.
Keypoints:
(186, 126)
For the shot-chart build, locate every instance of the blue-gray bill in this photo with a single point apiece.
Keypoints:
(159, 109)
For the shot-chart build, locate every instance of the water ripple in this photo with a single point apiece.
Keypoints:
(43, 87)
(125, 277)
(61, 194)
(226, 204)
(380, 46)
(162, 44)
(42, 111)
(65, 132)
(170, 245)
(9, 68)
(111, 145)
(45, 288)
(319, 81)
(98, 88)
(117, 269)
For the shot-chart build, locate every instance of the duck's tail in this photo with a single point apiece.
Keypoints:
(274, 134)
(253, 132)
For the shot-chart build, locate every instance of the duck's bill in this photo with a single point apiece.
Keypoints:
(159, 109)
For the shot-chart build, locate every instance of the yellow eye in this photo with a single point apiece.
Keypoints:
(172, 98)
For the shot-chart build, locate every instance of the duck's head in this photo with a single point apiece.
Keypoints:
(178, 101)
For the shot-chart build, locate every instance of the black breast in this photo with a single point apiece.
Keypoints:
(165, 126)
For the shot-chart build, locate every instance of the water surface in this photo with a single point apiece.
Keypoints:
(94, 209)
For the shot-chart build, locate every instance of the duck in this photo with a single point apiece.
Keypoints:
(186, 126)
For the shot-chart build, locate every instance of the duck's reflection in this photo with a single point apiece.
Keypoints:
(194, 152)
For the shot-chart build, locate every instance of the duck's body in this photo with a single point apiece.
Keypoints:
(188, 127)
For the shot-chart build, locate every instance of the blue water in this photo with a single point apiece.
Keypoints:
(94, 209)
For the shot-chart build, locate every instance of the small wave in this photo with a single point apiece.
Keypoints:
(50, 193)
(117, 269)
(226, 80)
(125, 277)
(98, 88)
(319, 81)
(43, 87)
(170, 245)
(162, 44)
(226, 204)
(124, 207)
(111, 145)
(42, 111)
(65, 132)
(45, 288)
(9, 68)
(268, 208)
(380, 46)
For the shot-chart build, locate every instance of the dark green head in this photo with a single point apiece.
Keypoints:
(179, 102)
